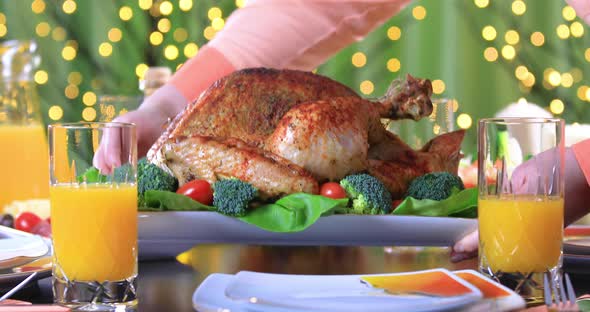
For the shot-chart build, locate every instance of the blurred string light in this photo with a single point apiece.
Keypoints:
(464, 121)
(3, 30)
(482, 3)
(41, 77)
(577, 29)
(190, 49)
(89, 114)
(171, 52)
(217, 23)
(68, 53)
(156, 38)
(89, 98)
(568, 13)
(43, 29)
(145, 4)
(55, 112)
(367, 87)
(166, 7)
(563, 32)
(2, 18)
(556, 106)
(105, 49)
(393, 65)
(508, 52)
(240, 3)
(164, 25)
(125, 13)
(180, 35)
(140, 70)
(209, 33)
(71, 91)
(581, 93)
(489, 33)
(115, 34)
(521, 72)
(69, 6)
(518, 7)
(75, 78)
(490, 54)
(185, 5)
(567, 80)
(359, 59)
(58, 34)
(438, 86)
(214, 13)
(38, 6)
(512, 37)
(419, 12)
(394, 33)
(537, 38)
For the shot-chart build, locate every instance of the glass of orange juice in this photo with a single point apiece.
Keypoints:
(94, 215)
(520, 203)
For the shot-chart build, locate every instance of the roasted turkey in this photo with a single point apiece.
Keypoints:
(286, 131)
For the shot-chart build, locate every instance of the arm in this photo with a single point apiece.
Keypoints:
(577, 184)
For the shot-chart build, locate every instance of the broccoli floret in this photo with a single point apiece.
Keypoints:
(369, 195)
(232, 196)
(151, 177)
(435, 186)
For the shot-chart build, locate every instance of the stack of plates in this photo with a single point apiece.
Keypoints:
(431, 290)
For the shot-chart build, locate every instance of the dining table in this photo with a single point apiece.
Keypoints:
(168, 283)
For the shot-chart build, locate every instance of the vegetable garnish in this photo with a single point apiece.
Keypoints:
(199, 190)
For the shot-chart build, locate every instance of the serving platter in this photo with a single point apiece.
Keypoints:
(166, 234)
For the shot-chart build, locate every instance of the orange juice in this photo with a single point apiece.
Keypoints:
(94, 231)
(521, 233)
(24, 163)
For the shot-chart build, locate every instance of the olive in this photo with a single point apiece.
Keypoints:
(7, 220)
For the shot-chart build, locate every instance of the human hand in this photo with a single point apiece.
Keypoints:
(150, 121)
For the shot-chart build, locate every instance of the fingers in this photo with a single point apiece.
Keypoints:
(108, 154)
(466, 248)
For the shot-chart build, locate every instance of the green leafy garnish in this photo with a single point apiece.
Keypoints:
(462, 204)
(92, 175)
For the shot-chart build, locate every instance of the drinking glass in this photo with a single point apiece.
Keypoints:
(418, 133)
(93, 216)
(520, 203)
(111, 106)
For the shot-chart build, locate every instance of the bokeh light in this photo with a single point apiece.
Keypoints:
(563, 31)
(55, 112)
(240, 3)
(190, 49)
(140, 70)
(58, 34)
(577, 29)
(521, 72)
(75, 78)
(180, 35)
(214, 13)
(518, 7)
(164, 25)
(359, 59)
(482, 3)
(508, 52)
(367, 87)
(568, 13)
(567, 80)
(115, 34)
(556, 107)
(209, 33)
(105, 49)
(464, 121)
(41, 77)
(185, 5)
(537, 38)
(69, 6)
(419, 12)
(554, 78)
(89, 114)
(68, 53)
(146, 4)
(394, 33)
(38, 6)
(171, 52)
(43, 29)
(217, 23)
(393, 65)
(125, 13)
(489, 33)
(512, 37)
(166, 7)
(89, 98)
(156, 38)
(490, 54)
(72, 91)
(438, 86)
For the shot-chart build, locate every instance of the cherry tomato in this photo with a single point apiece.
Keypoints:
(395, 203)
(332, 190)
(199, 190)
(26, 221)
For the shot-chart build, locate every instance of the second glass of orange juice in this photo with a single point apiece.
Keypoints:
(94, 215)
(520, 204)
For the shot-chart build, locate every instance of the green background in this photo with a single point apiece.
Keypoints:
(445, 45)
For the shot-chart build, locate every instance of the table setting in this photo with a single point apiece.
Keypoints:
(268, 184)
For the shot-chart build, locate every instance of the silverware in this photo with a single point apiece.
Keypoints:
(556, 295)
(18, 287)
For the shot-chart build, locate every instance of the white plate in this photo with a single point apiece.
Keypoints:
(165, 234)
(250, 291)
(22, 254)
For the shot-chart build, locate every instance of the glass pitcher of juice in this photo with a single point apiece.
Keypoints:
(24, 162)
